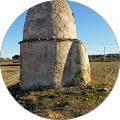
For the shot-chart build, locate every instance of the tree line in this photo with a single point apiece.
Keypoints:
(107, 57)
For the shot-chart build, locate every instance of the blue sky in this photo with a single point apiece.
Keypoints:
(92, 29)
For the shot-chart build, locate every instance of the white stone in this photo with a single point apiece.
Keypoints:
(50, 19)
(23, 102)
(105, 89)
(54, 62)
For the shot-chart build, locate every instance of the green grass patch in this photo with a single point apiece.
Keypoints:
(30, 105)
(43, 88)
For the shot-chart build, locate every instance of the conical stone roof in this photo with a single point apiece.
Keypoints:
(52, 19)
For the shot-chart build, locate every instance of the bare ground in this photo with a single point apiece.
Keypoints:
(12, 80)
(65, 102)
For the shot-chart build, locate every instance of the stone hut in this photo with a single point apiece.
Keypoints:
(50, 53)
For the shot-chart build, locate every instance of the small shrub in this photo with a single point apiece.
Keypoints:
(43, 88)
(77, 96)
(63, 104)
(30, 105)
(16, 61)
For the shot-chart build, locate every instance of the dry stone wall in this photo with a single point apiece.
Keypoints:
(52, 19)
(50, 54)
(37, 64)
(53, 63)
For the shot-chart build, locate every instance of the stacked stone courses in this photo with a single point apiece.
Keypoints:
(41, 39)
(50, 53)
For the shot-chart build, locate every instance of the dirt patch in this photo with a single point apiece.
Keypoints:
(59, 103)
(12, 80)
(65, 102)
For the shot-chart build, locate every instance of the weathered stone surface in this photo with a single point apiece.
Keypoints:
(37, 68)
(53, 63)
(52, 19)
(50, 53)
(80, 69)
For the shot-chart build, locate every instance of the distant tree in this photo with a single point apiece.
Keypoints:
(16, 57)
(100, 56)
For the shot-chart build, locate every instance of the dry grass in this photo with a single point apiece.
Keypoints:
(104, 73)
(10, 71)
(66, 102)
(103, 69)
(6, 62)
